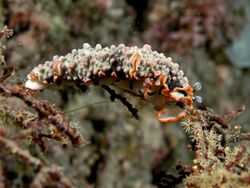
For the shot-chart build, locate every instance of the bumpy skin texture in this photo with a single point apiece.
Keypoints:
(138, 71)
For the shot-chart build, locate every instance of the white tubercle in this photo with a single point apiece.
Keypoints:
(34, 85)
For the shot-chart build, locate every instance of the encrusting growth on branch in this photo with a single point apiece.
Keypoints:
(45, 110)
(114, 96)
(222, 150)
(140, 72)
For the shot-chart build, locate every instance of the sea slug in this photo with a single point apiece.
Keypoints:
(138, 71)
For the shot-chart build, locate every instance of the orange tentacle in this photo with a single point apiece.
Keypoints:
(169, 119)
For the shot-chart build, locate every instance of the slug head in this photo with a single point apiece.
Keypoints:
(33, 82)
(45, 76)
(177, 102)
(170, 104)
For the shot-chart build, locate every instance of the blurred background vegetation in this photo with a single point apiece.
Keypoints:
(208, 38)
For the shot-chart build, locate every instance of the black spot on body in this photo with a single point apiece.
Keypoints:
(95, 80)
(116, 67)
(180, 104)
(183, 92)
(160, 90)
(58, 82)
(121, 74)
(150, 93)
(172, 83)
(108, 72)
(50, 79)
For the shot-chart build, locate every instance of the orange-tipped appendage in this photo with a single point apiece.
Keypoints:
(187, 100)
(163, 79)
(134, 60)
(57, 68)
(187, 89)
(170, 119)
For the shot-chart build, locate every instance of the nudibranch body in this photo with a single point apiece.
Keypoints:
(138, 71)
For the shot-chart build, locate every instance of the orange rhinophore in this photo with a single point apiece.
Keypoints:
(138, 71)
(134, 60)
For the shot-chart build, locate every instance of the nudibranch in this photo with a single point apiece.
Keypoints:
(138, 71)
